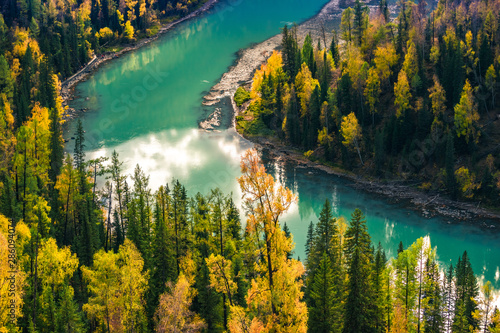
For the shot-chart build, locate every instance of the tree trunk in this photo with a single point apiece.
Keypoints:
(67, 205)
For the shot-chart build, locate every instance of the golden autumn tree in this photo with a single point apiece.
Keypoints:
(56, 267)
(402, 94)
(304, 85)
(221, 275)
(466, 182)
(410, 65)
(173, 314)
(67, 186)
(372, 91)
(357, 68)
(271, 67)
(438, 98)
(274, 300)
(39, 125)
(117, 285)
(385, 59)
(466, 115)
(351, 132)
(7, 139)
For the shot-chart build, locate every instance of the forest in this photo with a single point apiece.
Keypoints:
(78, 256)
(410, 98)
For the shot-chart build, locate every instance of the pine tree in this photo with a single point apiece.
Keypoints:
(119, 186)
(69, 318)
(334, 49)
(379, 286)
(448, 298)
(451, 182)
(432, 301)
(290, 51)
(359, 24)
(326, 239)
(292, 128)
(309, 239)
(358, 254)
(180, 223)
(467, 291)
(79, 155)
(323, 310)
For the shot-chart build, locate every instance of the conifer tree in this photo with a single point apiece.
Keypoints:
(323, 311)
(467, 291)
(358, 254)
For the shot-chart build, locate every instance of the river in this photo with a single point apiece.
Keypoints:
(147, 104)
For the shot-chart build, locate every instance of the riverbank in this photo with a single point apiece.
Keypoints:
(427, 203)
(248, 60)
(68, 85)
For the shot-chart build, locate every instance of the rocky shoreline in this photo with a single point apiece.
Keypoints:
(248, 60)
(427, 203)
(68, 85)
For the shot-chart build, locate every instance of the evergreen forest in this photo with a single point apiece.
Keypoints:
(85, 247)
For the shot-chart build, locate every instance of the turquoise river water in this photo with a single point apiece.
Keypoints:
(146, 105)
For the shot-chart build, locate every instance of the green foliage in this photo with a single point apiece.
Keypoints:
(359, 290)
(241, 96)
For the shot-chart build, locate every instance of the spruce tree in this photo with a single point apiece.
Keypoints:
(309, 239)
(379, 281)
(467, 291)
(322, 311)
(432, 302)
(451, 182)
(334, 48)
(292, 128)
(359, 304)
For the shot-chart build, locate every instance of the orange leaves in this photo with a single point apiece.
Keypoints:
(173, 314)
(266, 200)
(275, 298)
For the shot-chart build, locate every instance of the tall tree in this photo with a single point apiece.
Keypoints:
(360, 303)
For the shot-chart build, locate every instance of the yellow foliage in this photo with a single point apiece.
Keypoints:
(55, 266)
(356, 67)
(402, 94)
(20, 45)
(350, 130)
(410, 64)
(173, 313)
(304, 86)
(221, 274)
(385, 59)
(39, 136)
(188, 267)
(438, 98)
(467, 182)
(372, 89)
(274, 62)
(106, 33)
(7, 139)
(276, 306)
(117, 285)
(128, 31)
(466, 114)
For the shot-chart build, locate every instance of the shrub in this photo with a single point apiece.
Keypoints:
(241, 96)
